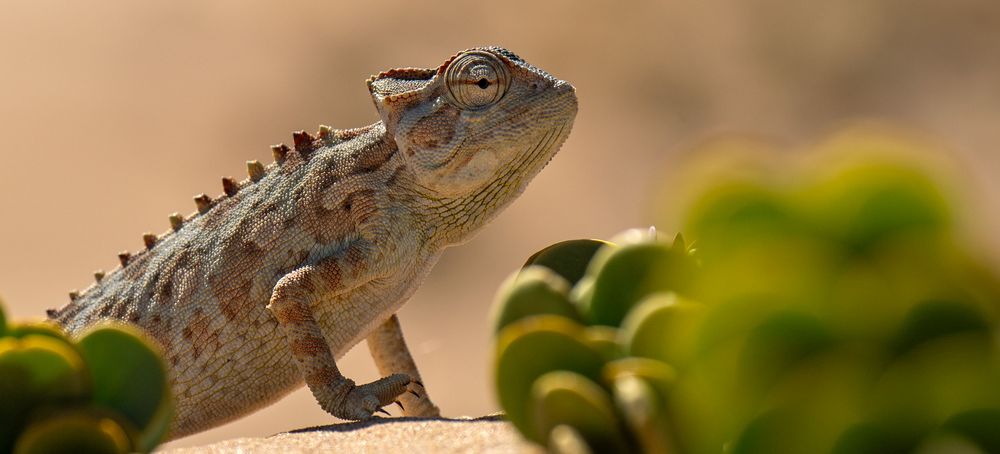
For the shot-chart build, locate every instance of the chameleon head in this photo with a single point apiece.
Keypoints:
(480, 126)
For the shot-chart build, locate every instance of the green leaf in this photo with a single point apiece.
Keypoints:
(658, 374)
(45, 328)
(534, 290)
(530, 348)
(36, 371)
(644, 413)
(779, 343)
(869, 438)
(3, 320)
(605, 340)
(75, 432)
(663, 326)
(626, 274)
(981, 426)
(129, 377)
(934, 319)
(564, 439)
(866, 202)
(568, 258)
(567, 398)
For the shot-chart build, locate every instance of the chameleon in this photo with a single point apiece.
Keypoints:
(264, 287)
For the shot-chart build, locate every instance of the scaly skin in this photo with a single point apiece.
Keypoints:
(263, 287)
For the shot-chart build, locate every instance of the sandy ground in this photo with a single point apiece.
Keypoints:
(485, 435)
(114, 114)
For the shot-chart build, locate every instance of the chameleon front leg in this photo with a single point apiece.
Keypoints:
(388, 349)
(291, 304)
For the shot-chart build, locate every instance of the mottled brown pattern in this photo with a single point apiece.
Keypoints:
(120, 309)
(394, 176)
(369, 162)
(324, 374)
(291, 314)
(198, 332)
(308, 345)
(265, 285)
(362, 206)
(437, 130)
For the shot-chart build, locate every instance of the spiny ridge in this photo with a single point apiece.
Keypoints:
(280, 152)
(203, 202)
(255, 170)
(302, 141)
(229, 186)
(149, 239)
(176, 221)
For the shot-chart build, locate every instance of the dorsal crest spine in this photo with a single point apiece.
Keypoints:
(124, 257)
(203, 202)
(229, 186)
(149, 239)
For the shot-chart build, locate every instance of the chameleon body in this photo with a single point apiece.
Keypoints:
(262, 288)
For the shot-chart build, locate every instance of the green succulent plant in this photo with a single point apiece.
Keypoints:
(104, 392)
(831, 308)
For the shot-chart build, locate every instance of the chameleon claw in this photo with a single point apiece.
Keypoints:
(413, 392)
(419, 383)
(383, 411)
(400, 404)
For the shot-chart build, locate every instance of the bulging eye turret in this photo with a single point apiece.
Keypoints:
(476, 80)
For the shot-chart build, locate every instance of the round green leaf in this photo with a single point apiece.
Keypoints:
(625, 275)
(567, 398)
(733, 213)
(934, 319)
(663, 326)
(779, 343)
(530, 348)
(47, 329)
(75, 432)
(582, 293)
(568, 258)
(866, 202)
(605, 340)
(35, 371)
(3, 321)
(645, 413)
(868, 438)
(981, 426)
(564, 439)
(534, 290)
(129, 377)
(658, 374)
(773, 432)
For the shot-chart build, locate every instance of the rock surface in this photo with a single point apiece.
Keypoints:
(488, 434)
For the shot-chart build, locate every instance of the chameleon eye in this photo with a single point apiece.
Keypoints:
(476, 80)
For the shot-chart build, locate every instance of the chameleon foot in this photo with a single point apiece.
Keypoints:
(363, 401)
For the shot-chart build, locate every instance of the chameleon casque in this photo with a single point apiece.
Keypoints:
(265, 286)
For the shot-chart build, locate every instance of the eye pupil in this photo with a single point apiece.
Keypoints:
(476, 80)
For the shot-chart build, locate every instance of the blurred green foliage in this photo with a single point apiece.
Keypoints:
(827, 308)
(103, 392)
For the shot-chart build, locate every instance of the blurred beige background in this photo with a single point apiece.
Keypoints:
(113, 114)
